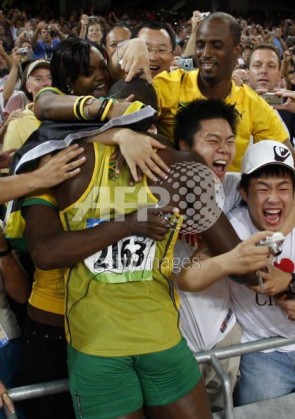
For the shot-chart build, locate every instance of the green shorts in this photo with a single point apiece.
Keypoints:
(111, 387)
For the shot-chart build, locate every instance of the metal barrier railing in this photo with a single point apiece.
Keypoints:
(212, 356)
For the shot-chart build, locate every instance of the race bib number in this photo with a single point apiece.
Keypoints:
(130, 259)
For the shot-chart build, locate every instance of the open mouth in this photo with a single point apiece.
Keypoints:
(219, 167)
(100, 90)
(207, 65)
(154, 68)
(272, 216)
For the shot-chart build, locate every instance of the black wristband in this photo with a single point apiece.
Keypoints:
(7, 251)
(102, 107)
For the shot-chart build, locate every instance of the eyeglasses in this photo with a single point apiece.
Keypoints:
(160, 51)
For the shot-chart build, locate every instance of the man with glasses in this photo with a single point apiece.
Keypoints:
(160, 41)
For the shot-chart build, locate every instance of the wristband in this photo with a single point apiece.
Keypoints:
(102, 107)
(76, 106)
(83, 107)
(107, 108)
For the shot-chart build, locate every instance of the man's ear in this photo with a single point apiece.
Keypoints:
(243, 194)
(28, 86)
(183, 145)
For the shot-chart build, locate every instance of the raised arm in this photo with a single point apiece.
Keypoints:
(195, 21)
(205, 270)
(55, 170)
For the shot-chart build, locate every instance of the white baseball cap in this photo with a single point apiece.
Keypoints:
(36, 64)
(264, 153)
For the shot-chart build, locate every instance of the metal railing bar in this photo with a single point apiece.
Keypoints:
(244, 348)
(227, 390)
(59, 386)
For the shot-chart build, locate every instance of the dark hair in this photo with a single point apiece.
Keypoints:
(270, 47)
(271, 170)
(70, 59)
(156, 26)
(234, 25)
(140, 88)
(121, 24)
(23, 69)
(189, 118)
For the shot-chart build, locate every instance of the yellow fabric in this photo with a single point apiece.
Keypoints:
(108, 319)
(134, 107)
(257, 118)
(19, 130)
(48, 291)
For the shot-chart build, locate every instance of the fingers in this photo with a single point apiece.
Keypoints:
(70, 152)
(73, 168)
(147, 171)
(6, 401)
(130, 98)
(160, 164)
(133, 169)
(134, 69)
(147, 74)
(154, 167)
(119, 163)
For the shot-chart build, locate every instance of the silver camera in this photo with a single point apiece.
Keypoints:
(92, 19)
(274, 243)
(186, 64)
(272, 99)
(22, 51)
(204, 15)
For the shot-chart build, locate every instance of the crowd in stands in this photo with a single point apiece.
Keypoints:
(204, 89)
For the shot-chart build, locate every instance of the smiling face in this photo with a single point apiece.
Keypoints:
(98, 81)
(95, 32)
(270, 201)
(39, 78)
(160, 49)
(215, 51)
(264, 70)
(215, 142)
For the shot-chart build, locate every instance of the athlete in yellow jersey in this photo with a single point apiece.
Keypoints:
(125, 348)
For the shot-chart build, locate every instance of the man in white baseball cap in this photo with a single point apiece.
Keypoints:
(267, 188)
(18, 131)
(37, 64)
(264, 154)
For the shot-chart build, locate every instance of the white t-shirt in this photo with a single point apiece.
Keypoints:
(257, 313)
(206, 317)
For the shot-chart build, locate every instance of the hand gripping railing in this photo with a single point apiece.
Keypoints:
(212, 356)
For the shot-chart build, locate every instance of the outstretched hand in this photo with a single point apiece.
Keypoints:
(247, 256)
(139, 153)
(134, 59)
(64, 165)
